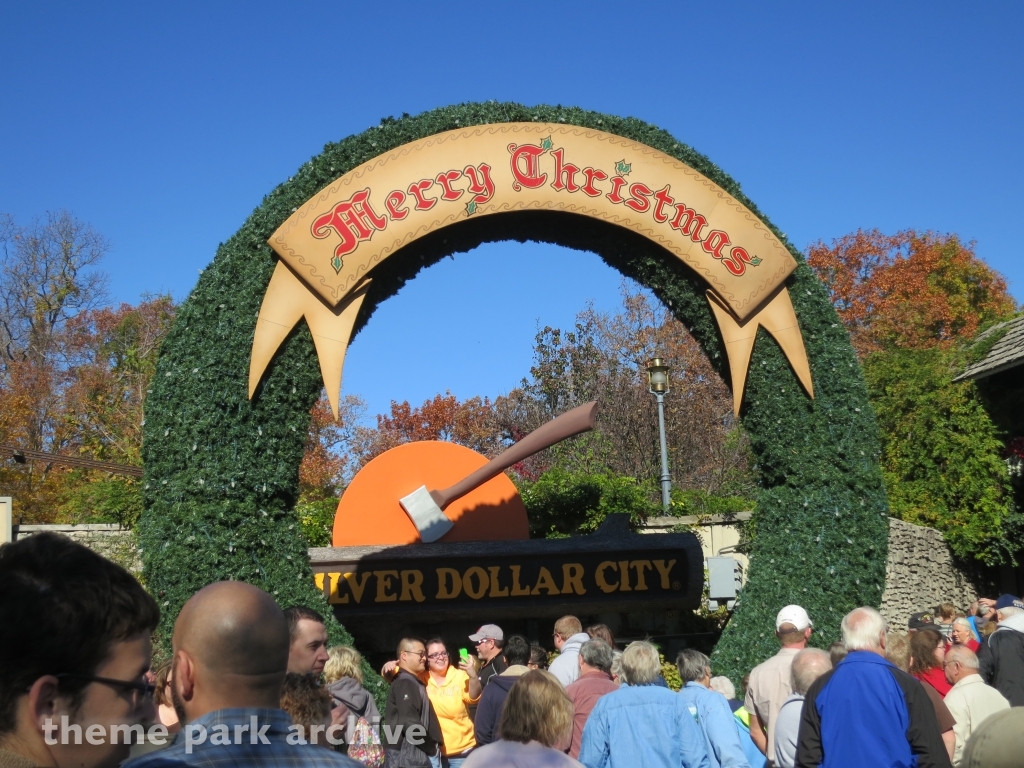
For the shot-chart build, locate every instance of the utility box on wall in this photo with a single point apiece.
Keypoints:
(725, 579)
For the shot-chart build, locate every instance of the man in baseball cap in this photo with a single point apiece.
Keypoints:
(922, 620)
(489, 641)
(1001, 659)
(770, 682)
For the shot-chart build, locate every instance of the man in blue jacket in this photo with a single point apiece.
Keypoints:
(710, 710)
(866, 712)
(642, 724)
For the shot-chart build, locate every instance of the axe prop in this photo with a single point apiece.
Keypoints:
(426, 508)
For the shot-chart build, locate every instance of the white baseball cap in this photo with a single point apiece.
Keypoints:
(795, 615)
(488, 631)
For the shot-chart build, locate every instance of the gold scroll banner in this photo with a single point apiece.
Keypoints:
(332, 242)
(287, 301)
(778, 318)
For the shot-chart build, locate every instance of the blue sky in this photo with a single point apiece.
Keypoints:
(163, 125)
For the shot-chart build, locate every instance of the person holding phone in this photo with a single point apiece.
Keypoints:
(452, 690)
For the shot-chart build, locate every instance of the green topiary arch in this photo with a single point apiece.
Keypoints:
(222, 471)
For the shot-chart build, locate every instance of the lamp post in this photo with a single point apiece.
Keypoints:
(657, 379)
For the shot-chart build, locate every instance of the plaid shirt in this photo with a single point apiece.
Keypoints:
(245, 753)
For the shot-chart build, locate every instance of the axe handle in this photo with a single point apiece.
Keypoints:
(579, 419)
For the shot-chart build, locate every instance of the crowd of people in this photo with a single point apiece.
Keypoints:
(252, 684)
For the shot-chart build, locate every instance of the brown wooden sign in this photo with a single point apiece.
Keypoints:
(610, 570)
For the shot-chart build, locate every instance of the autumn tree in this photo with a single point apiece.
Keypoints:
(470, 423)
(909, 290)
(604, 358)
(912, 303)
(325, 465)
(47, 278)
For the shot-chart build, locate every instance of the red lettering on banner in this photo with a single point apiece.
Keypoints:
(664, 198)
(445, 180)
(417, 188)
(593, 174)
(737, 261)
(565, 173)
(527, 176)
(353, 220)
(715, 242)
(638, 197)
(480, 184)
(617, 183)
(396, 199)
(692, 218)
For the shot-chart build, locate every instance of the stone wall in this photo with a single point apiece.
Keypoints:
(112, 541)
(920, 574)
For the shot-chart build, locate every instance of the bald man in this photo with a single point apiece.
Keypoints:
(230, 656)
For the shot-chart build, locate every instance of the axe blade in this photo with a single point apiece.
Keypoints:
(426, 515)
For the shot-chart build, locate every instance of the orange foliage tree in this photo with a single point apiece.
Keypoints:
(909, 290)
(470, 423)
(324, 464)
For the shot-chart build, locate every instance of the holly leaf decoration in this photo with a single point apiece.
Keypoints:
(471, 207)
(336, 262)
(623, 168)
(546, 143)
(755, 261)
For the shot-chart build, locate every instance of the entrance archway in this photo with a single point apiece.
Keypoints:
(222, 470)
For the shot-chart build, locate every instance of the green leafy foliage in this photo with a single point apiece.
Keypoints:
(110, 500)
(942, 457)
(698, 503)
(222, 471)
(316, 517)
(561, 502)
(671, 674)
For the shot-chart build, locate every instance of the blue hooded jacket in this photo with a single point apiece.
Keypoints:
(866, 712)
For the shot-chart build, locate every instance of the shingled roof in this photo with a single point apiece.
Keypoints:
(1006, 353)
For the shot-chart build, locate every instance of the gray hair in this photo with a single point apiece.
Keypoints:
(724, 686)
(693, 665)
(962, 622)
(967, 658)
(597, 653)
(640, 663)
(617, 666)
(863, 629)
(1008, 611)
(808, 666)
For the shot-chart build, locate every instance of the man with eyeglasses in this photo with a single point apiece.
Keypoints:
(417, 732)
(74, 651)
(489, 641)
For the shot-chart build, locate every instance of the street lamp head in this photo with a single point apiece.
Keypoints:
(657, 376)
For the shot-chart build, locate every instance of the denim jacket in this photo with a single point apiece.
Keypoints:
(642, 725)
(711, 712)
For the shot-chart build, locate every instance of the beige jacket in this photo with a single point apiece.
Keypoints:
(971, 701)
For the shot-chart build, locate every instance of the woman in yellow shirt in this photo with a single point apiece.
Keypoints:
(451, 690)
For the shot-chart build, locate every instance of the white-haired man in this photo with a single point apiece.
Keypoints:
(1001, 659)
(642, 723)
(970, 700)
(866, 711)
(770, 682)
(808, 666)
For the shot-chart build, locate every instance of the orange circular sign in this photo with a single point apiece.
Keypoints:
(369, 512)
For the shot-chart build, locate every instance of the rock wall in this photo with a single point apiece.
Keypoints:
(112, 541)
(920, 574)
